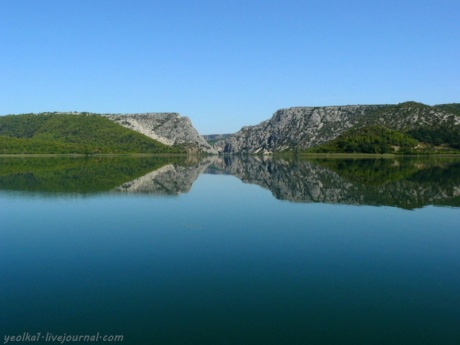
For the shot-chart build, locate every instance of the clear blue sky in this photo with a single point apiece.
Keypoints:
(225, 64)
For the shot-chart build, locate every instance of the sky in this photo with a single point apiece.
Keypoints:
(225, 64)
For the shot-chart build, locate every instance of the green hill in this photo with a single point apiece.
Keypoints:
(61, 133)
(443, 134)
(372, 139)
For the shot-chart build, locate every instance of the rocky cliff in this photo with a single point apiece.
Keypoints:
(305, 127)
(167, 128)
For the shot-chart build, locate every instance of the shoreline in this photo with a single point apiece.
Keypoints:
(25, 155)
(274, 155)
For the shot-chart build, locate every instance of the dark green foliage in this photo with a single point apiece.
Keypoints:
(438, 135)
(453, 108)
(373, 139)
(411, 105)
(67, 133)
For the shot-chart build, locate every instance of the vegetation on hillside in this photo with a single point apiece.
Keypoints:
(372, 139)
(453, 108)
(417, 138)
(67, 133)
(411, 105)
(438, 135)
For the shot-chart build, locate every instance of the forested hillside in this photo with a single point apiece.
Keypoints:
(73, 133)
(373, 139)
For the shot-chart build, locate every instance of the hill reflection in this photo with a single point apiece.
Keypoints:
(401, 182)
(94, 175)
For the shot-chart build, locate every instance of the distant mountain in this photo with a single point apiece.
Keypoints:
(213, 138)
(80, 133)
(301, 128)
(167, 128)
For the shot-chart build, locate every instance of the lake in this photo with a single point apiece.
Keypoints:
(231, 250)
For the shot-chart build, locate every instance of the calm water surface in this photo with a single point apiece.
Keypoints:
(232, 251)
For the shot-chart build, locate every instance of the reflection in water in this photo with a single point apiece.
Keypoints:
(170, 179)
(402, 182)
(90, 175)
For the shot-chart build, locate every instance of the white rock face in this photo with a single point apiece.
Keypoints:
(305, 127)
(167, 128)
(171, 179)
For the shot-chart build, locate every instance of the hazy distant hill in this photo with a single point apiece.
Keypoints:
(73, 133)
(301, 128)
(213, 138)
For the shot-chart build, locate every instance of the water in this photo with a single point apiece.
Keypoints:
(231, 251)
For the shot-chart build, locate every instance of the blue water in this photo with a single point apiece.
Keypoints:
(227, 263)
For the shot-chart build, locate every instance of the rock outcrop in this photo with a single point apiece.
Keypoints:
(305, 127)
(167, 128)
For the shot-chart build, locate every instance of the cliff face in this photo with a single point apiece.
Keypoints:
(167, 128)
(305, 127)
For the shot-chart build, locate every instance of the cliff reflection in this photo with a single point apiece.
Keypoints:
(93, 175)
(402, 182)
